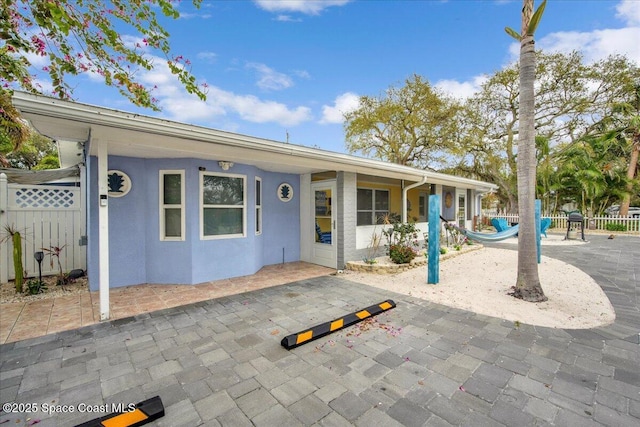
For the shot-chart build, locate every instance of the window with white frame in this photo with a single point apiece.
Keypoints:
(223, 205)
(258, 205)
(172, 206)
(373, 205)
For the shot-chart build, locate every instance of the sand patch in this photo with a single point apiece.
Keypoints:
(480, 281)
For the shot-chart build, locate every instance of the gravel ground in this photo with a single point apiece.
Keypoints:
(8, 291)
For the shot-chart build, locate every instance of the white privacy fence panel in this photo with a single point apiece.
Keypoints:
(46, 216)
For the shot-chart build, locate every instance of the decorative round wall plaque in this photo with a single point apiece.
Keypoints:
(448, 199)
(285, 192)
(118, 183)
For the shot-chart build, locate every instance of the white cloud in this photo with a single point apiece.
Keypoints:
(184, 15)
(37, 61)
(134, 42)
(287, 18)
(597, 44)
(461, 90)
(309, 7)
(184, 107)
(255, 110)
(302, 74)
(270, 79)
(629, 12)
(179, 105)
(209, 57)
(343, 104)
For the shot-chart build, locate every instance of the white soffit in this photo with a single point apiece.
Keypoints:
(134, 135)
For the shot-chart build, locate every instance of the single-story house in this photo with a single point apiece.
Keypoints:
(173, 203)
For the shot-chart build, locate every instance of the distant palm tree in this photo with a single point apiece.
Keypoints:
(528, 282)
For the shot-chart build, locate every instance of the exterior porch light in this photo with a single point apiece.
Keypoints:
(224, 165)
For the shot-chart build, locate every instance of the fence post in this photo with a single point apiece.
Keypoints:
(4, 255)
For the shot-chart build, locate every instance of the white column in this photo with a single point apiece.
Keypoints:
(306, 218)
(103, 232)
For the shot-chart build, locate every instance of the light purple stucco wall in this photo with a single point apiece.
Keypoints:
(136, 254)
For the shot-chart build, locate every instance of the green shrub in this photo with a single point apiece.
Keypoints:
(35, 287)
(443, 251)
(402, 242)
(616, 227)
(401, 254)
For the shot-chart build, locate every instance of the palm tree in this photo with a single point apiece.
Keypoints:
(591, 171)
(528, 285)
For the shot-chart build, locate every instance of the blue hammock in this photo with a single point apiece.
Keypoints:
(486, 237)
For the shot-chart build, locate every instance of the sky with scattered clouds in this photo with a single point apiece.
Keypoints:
(281, 69)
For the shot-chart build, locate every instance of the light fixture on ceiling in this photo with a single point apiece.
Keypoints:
(224, 165)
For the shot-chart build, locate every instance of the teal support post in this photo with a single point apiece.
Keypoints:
(433, 250)
(538, 208)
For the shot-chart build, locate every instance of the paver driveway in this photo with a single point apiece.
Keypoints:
(220, 362)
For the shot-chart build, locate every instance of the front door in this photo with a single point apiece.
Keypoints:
(325, 246)
(461, 214)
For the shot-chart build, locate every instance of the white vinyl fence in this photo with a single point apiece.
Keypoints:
(46, 216)
(560, 221)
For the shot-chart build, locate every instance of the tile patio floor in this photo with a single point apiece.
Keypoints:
(23, 320)
(219, 362)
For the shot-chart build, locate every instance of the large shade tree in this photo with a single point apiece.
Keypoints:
(87, 36)
(492, 117)
(573, 98)
(411, 125)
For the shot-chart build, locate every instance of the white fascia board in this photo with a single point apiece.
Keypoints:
(101, 116)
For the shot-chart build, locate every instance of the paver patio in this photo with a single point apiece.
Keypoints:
(219, 362)
(22, 320)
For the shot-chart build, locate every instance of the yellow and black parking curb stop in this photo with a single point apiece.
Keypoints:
(143, 413)
(323, 329)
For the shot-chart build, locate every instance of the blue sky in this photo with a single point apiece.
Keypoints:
(294, 66)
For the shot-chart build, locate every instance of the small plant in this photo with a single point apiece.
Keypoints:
(443, 251)
(457, 247)
(457, 238)
(35, 287)
(390, 218)
(54, 252)
(616, 227)
(372, 247)
(402, 242)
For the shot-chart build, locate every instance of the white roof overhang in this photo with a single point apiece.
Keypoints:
(135, 135)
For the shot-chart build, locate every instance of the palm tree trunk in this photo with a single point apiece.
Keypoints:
(528, 282)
